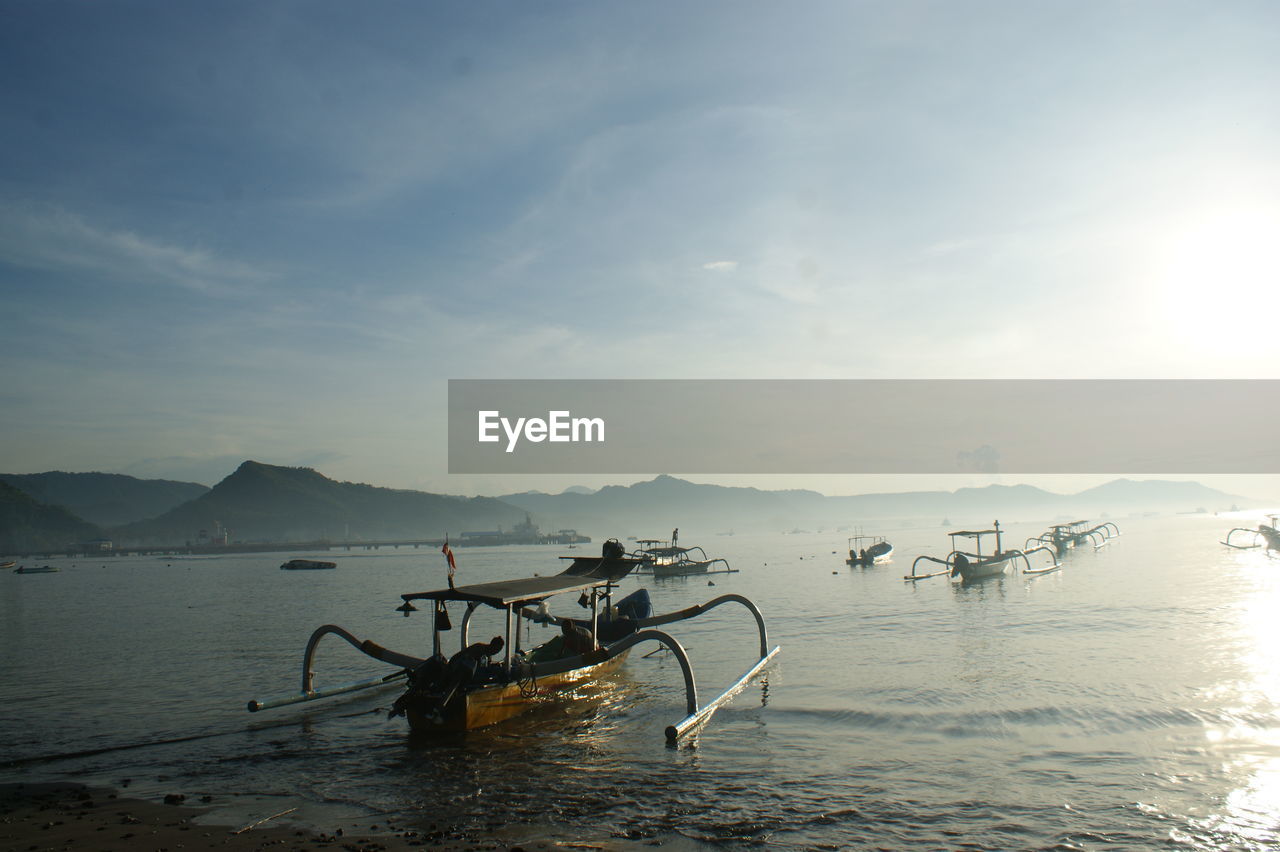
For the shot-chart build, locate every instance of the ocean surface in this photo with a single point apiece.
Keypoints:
(1129, 701)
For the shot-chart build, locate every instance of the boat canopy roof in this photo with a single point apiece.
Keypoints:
(973, 533)
(586, 572)
(668, 551)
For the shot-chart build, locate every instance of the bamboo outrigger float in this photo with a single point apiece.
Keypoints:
(1063, 537)
(974, 565)
(1263, 535)
(476, 687)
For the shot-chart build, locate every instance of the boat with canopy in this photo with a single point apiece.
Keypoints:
(486, 683)
(863, 553)
(1064, 537)
(970, 565)
(669, 559)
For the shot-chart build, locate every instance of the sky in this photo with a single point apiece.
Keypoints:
(274, 231)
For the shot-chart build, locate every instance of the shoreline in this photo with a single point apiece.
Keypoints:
(57, 816)
(64, 816)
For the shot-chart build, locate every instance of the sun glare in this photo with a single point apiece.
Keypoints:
(1217, 280)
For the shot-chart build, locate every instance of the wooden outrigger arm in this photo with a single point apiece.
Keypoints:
(1257, 536)
(309, 693)
(1262, 535)
(1053, 555)
(946, 563)
(696, 715)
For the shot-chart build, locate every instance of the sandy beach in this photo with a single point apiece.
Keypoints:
(55, 817)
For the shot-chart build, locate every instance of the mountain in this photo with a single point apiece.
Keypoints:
(648, 508)
(27, 524)
(651, 508)
(260, 502)
(107, 499)
(1134, 495)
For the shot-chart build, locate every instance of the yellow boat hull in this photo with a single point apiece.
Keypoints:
(488, 705)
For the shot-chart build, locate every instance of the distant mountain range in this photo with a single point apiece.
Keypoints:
(27, 524)
(106, 499)
(652, 507)
(261, 503)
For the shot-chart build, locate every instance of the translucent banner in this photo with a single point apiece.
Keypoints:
(864, 426)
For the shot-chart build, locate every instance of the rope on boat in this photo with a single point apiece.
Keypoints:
(527, 680)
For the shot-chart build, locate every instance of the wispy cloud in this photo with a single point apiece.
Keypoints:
(54, 239)
(721, 266)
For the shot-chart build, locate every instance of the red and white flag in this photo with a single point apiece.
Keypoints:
(448, 554)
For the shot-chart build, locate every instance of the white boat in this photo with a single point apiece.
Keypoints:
(861, 553)
(971, 565)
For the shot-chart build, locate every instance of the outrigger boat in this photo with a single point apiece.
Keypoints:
(974, 565)
(1263, 535)
(1063, 537)
(307, 565)
(669, 559)
(487, 683)
(859, 554)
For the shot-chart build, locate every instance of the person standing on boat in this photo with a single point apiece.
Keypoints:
(675, 537)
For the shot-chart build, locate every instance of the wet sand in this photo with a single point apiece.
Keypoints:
(72, 817)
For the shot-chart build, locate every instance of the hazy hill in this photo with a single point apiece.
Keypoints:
(652, 508)
(260, 502)
(107, 499)
(1136, 495)
(27, 524)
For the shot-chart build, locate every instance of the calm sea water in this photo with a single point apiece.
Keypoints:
(1129, 701)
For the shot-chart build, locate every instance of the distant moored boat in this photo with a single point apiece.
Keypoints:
(37, 569)
(306, 565)
(862, 554)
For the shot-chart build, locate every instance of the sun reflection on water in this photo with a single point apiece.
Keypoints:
(1248, 738)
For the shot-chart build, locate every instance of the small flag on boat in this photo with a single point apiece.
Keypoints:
(448, 554)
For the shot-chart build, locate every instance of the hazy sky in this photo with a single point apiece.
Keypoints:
(274, 230)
